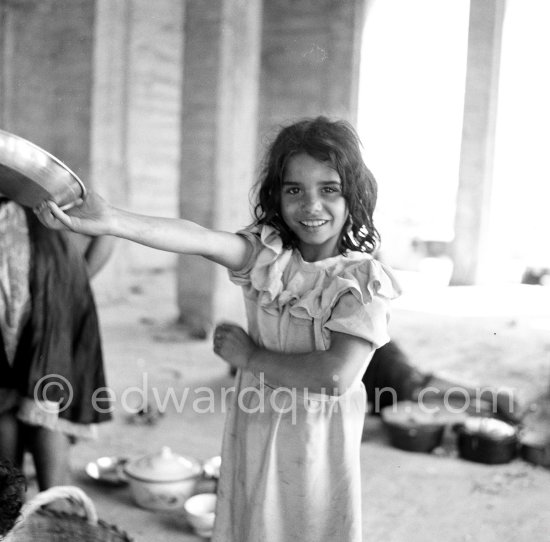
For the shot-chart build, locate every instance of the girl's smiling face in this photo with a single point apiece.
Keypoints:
(313, 206)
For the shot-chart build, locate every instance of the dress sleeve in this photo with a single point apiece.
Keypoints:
(241, 277)
(359, 302)
(262, 270)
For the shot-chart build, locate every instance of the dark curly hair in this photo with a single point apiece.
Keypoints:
(332, 142)
(12, 493)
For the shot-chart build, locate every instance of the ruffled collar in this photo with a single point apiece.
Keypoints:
(324, 280)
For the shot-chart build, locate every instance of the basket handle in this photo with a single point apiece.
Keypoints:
(71, 493)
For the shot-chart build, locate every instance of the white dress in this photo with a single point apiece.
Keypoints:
(290, 459)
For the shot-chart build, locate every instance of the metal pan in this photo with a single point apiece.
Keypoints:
(29, 175)
(108, 470)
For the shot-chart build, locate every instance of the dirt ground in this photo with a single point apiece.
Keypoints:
(498, 336)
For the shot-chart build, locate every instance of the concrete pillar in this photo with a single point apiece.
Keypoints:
(310, 60)
(50, 96)
(110, 118)
(46, 75)
(153, 102)
(218, 143)
(136, 123)
(478, 140)
(109, 128)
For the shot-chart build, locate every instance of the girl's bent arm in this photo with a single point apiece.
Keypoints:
(330, 371)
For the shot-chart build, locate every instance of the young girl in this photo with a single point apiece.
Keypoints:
(317, 308)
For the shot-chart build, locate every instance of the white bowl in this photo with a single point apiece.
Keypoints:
(200, 510)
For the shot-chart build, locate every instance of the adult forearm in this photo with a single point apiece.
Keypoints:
(98, 253)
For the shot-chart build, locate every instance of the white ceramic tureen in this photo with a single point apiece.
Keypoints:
(163, 480)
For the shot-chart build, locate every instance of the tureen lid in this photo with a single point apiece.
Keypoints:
(163, 466)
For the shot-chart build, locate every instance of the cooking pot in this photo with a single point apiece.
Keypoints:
(412, 428)
(486, 440)
(30, 175)
(163, 480)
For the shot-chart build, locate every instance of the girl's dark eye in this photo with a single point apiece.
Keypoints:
(331, 189)
(293, 190)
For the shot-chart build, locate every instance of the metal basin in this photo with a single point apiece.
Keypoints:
(30, 175)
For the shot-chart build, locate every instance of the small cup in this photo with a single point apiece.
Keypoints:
(200, 510)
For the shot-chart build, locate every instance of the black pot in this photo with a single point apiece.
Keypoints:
(411, 428)
(421, 438)
(478, 443)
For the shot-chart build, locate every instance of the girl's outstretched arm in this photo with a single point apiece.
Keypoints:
(96, 217)
(330, 371)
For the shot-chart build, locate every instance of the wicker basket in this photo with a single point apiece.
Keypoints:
(41, 525)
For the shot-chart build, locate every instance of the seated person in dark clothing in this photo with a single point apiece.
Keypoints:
(390, 377)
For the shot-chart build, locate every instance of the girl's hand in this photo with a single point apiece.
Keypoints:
(232, 344)
(93, 216)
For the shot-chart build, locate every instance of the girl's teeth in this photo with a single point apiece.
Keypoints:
(313, 223)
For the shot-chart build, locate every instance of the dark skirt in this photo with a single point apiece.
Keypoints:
(61, 341)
